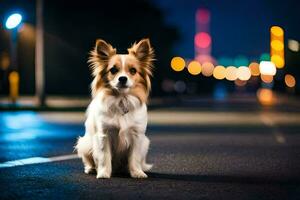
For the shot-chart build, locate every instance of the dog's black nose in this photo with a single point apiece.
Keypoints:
(123, 80)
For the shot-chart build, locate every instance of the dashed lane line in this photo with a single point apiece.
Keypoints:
(37, 160)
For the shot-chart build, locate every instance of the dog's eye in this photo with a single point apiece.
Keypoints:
(132, 71)
(114, 70)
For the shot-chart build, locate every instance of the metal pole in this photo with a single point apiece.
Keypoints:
(39, 54)
(14, 75)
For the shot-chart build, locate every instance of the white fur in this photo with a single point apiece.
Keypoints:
(115, 130)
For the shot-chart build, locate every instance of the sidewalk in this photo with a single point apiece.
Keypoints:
(238, 102)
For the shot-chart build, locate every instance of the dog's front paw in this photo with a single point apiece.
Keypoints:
(103, 174)
(88, 170)
(138, 174)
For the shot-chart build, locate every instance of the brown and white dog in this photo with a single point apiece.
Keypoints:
(117, 115)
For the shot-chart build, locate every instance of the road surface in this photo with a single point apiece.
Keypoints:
(197, 154)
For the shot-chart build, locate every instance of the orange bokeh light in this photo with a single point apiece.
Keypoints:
(254, 69)
(266, 96)
(207, 69)
(194, 67)
(266, 78)
(290, 80)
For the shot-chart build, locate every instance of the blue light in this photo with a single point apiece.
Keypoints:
(13, 21)
(220, 92)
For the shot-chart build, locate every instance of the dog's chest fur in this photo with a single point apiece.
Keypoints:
(124, 113)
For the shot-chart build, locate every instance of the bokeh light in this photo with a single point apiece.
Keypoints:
(241, 61)
(277, 45)
(266, 96)
(267, 68)
(207, 69)
(290, 80)
(13, 21)
(265, 57)
(4, 61)
(179, 86)
(277, 31)
(254, 69)
(202, 40)
(219, 72)
(231, 73)
(225, 61)
(293, 45)
(194, 67)
(278, 61)
(177, 64)
(243, 73)
(266, 78)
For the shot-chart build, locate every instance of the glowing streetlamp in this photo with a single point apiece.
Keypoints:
(13, 21)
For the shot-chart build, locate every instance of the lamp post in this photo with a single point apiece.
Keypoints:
(12, 23)
(39, 54)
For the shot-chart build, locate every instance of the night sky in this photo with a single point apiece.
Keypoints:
(237, 27)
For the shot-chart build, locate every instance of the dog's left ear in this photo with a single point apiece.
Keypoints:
(143, 51)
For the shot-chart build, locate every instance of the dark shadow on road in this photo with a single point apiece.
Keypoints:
(225, 178)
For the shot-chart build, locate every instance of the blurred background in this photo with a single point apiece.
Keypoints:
(203, 48)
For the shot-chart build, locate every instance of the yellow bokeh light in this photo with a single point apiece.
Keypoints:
(219, 72)
(194, 67)
(289, 80)
(265, 96)
(266, 78)
(231, 73)
(254, 69)
(277, 31)
(243, 73)
(278, 61)
(177, 64)
(207, 69)
(277, 45)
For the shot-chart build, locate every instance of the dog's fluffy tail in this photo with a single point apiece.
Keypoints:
(83, 146)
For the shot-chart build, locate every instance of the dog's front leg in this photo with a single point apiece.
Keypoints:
(136, 157)
(102, 155)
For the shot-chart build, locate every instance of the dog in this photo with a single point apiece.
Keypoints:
(116, 118)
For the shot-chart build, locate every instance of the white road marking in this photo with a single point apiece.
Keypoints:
(279, 137)
(37, 160)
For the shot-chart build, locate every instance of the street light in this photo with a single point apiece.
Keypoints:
(13, 21)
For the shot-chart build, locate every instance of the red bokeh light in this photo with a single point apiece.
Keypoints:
(203, 16)
(202, 40)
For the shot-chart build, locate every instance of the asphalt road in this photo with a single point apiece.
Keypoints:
(196, 154)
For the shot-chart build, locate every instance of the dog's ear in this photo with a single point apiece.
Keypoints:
(100, 56)
(143, 51)
(104, 50)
